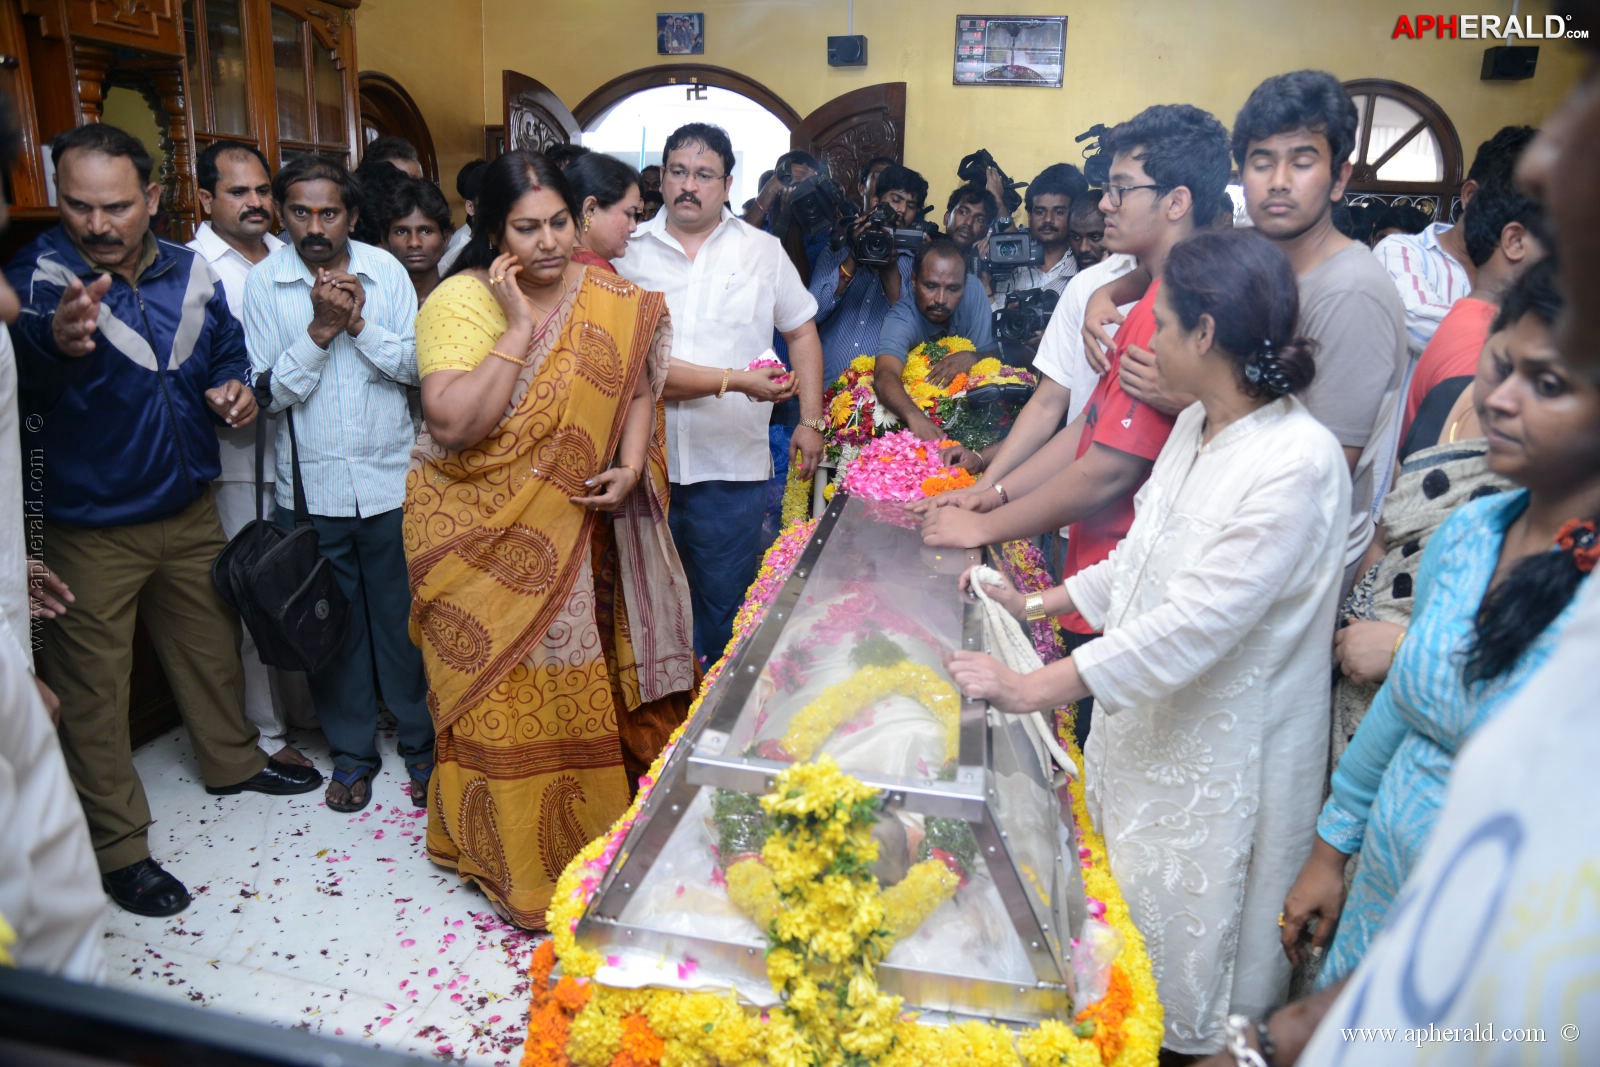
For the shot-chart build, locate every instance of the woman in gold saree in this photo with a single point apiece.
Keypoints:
(549, 604)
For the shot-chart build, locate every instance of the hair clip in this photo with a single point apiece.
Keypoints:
(1578, 536)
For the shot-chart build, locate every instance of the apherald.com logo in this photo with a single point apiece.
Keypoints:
(1488, 27)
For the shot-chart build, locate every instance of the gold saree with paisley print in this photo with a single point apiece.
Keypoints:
(546, 701)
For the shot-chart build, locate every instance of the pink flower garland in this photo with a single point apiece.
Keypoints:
(893, 467)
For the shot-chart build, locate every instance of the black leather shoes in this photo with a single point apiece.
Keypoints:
(145, 889)
(277, 779)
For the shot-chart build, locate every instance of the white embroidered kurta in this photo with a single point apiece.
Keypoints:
(1206, 757)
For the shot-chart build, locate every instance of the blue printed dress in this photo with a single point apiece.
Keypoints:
(1390, 785)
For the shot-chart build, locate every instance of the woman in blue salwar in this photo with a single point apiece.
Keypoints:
(1494, 590)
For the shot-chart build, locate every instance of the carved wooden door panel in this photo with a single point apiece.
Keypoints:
(535, 117)
(850, 129)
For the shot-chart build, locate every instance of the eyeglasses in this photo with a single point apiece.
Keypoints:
(702, 177)
(1115, 193)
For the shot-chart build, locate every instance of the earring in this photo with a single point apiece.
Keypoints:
(587, 220)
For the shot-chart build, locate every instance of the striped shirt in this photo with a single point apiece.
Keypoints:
(848, 319)
(349, 400)
(1429, 279)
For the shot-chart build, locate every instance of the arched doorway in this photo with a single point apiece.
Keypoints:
(387, 110)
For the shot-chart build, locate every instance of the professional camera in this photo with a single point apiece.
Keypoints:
(1096, 164)
(877, 244)
(1025, 314)
(1010, 248)
(974, 170)
(817, 203)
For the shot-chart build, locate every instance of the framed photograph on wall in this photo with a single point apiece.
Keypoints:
(681, 33)
(1011, 50)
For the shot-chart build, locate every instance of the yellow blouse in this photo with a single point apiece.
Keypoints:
(458, 324)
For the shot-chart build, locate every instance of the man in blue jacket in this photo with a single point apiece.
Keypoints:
(128, 359)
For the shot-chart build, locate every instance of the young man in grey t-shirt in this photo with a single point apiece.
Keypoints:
(1292, 143)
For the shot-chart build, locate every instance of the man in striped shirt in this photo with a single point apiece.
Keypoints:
(332, 320)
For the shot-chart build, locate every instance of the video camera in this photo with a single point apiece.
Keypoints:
(818, 205)
(974, 170)
(1010, 248)
(1025, 313)
(882, 239)
(1096, 164)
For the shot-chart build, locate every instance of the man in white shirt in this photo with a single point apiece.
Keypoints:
(728, 287)
(235, 190)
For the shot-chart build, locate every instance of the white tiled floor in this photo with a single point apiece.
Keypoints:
(337, 924)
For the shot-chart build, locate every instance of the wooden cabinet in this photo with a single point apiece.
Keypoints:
(277, 74)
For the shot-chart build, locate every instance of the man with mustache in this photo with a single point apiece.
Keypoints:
(235, 189)
(332, 320)
(729, 286)
(945, 301)
(128, 359)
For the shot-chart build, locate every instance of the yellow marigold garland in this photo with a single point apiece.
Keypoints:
(715, 1029)
(796, 506)
(841, 701)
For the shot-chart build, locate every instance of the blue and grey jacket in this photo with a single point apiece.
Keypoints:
(122, 435)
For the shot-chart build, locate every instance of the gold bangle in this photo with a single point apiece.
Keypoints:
(638, 476)
(1395, 653)
(724, 387)
(508, 359)
(847, 274)
(1033, 607)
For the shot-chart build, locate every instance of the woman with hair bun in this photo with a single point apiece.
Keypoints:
(1217, 611)
(607, 192)
(1494, 590)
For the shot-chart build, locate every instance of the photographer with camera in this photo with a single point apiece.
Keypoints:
(1029, 269)
(771, 209)
(945, 301)
(880, 244)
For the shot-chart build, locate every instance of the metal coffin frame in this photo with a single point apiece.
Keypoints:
(700, 760)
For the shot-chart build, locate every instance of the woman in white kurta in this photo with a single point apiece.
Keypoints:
(1205, 761)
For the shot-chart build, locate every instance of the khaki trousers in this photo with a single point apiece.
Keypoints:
(162, 572)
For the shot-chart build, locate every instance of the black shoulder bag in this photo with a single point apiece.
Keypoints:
(285, 592)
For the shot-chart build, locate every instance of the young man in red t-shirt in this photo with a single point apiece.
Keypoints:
(1502, 225)
(1168, 173)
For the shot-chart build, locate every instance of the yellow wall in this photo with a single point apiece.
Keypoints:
(1121, 57)
(435, 50)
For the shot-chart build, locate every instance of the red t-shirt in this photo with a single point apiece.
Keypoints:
(1453, 352)
(1116, 420)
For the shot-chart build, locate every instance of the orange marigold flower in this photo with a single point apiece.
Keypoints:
(957, 384)
(548, 1029)
(640, 1045)
(570, 995)
(1108, 1015)
(952, 478)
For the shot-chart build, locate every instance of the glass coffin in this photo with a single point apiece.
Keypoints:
(847, 662)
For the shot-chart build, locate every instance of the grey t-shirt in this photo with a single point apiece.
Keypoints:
(904, 328)
(1349, 306)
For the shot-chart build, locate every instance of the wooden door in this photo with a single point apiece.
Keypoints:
(535, 117)
(850, 129)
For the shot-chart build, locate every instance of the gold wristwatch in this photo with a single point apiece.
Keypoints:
(819, 425)
(1033, 607)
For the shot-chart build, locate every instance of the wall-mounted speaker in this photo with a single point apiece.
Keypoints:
(1509, 62)
(847, 51)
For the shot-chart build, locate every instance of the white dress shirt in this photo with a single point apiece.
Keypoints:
(1061, 355)
(725, 304)
(238, 444)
